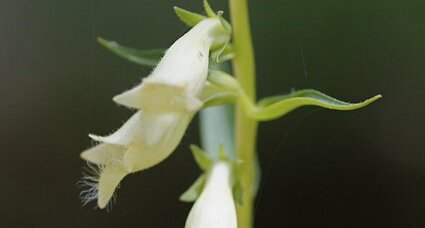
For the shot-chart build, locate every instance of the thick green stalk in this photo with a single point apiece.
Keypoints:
(246, 128)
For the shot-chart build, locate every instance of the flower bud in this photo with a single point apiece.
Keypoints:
(215, 207)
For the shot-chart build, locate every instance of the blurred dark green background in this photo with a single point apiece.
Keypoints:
(321, 168)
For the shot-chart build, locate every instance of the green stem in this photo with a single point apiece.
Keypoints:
(246, 128)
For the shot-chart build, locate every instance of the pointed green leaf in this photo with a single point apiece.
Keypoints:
(189, 18)
(274, 107)
(201, 158)
(210, 12)
(194, 190)
(147, 58)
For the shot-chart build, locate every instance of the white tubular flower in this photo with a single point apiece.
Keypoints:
(215, 207)
(167, 101)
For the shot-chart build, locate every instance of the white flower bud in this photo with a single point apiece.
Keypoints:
(215, 207)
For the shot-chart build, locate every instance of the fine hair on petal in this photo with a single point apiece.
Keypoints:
(89, 185)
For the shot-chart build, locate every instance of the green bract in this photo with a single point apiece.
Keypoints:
(275, 107)
(202, 159)
(191, 194)
(224, 88)
(147, 58)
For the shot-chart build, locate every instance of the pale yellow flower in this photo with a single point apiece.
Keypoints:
(166, 101)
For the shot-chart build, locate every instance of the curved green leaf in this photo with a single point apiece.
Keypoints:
(147, 58)
(274, 107)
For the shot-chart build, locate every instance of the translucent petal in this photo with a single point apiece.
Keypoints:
(159, 97)
(130, 98)
(103, 153)
(132, 130)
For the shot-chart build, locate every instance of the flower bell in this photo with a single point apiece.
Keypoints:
(215, 207)
(166, 101)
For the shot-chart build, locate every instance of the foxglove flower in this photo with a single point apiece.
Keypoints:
(166, 101)
(215, 207)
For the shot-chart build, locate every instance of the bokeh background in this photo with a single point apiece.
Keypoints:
(321, 168)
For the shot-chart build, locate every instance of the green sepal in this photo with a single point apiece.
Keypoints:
(213, 95)
(189, 18)
(194, 191)
(237, 190)
(208, 10)
(220, 89)
(275, 107)
(202, 159)
(238, 193)
(224, 80)
(226, 25)
(147, 58)
(224, 52)
(222, 155)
